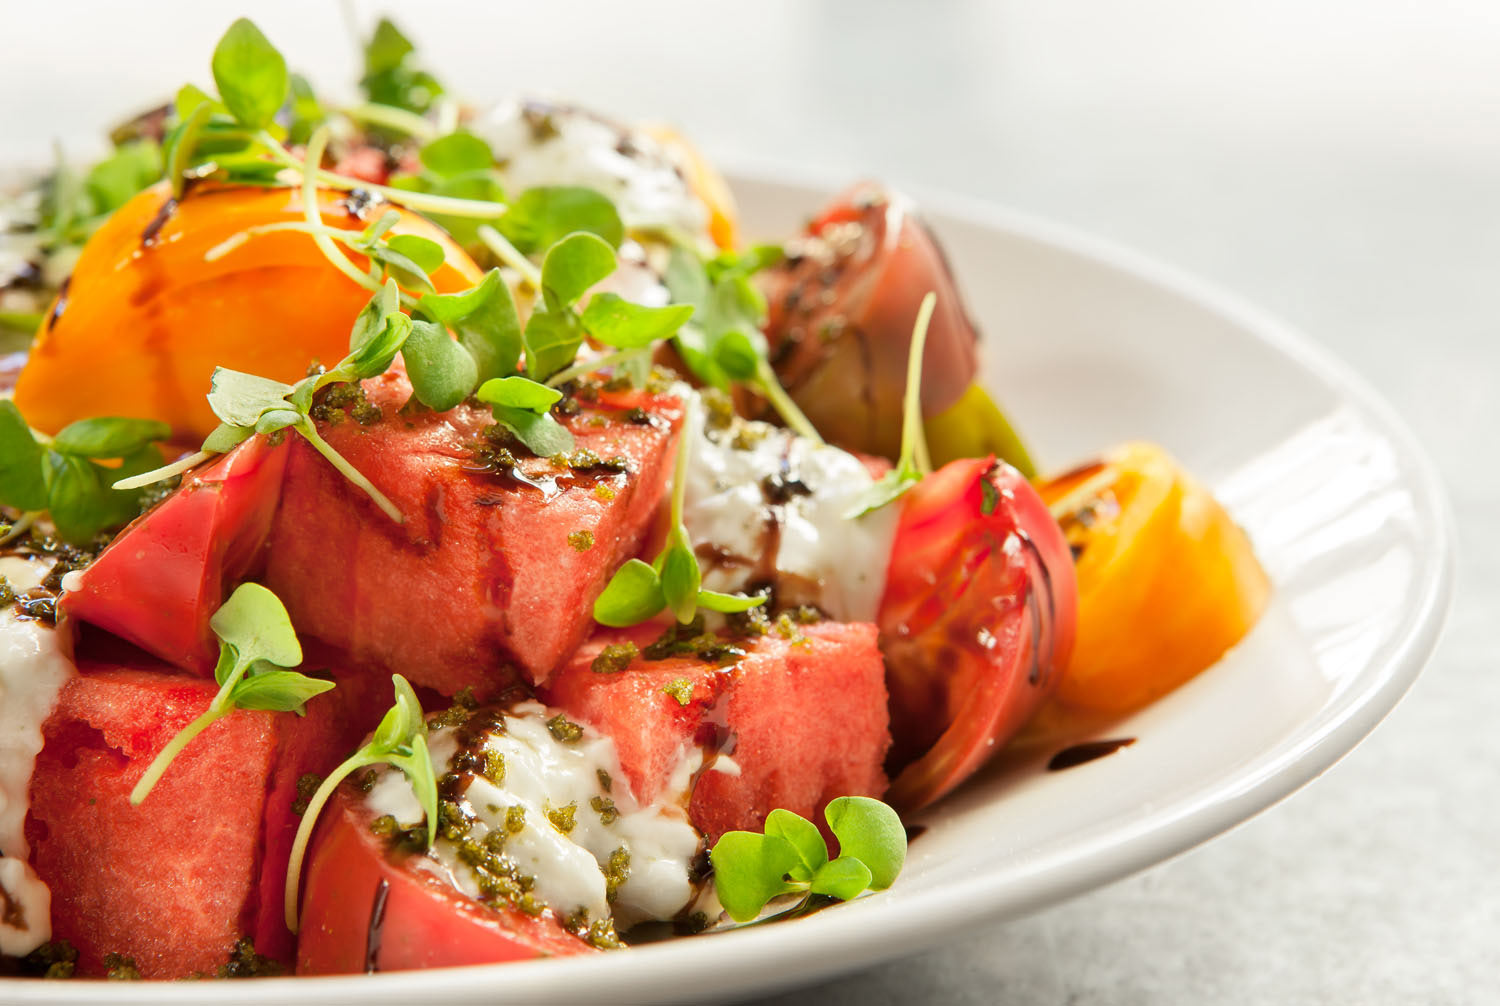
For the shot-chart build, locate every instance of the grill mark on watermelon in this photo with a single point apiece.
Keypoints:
(376, 928)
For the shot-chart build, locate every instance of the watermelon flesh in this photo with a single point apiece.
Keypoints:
(175, 882)
(794, 723)
(490, 575)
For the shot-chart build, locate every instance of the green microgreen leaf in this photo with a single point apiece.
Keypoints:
(632, 595)
(572, 265)
(389, 78)
(75, 497)
(617, 322)
(278, 691)
(425, 252)
(255, 638)
(226, 437)
(131, 168)
(543, 436)
(238, 399)
(442, 372)
(307, 111)
(870, 831)
(749, 871)
(803, 836)
(845, 878)
(728, 603)
(398, 266)
(254, 622)
(22, 484)
(400, 741)
(250, 74)
(457, 153)
(552, 340)
(519, 392)
(387, 48)
(111, 437)
(907, 472)
(680, 576)
(541, 217)
(485, 322)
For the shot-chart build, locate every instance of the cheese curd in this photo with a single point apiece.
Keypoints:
(555, 809)
(34, 666)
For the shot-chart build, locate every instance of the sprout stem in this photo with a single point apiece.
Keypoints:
(161, 474)
(315, 147)
(511, 256)
(767, 384)
(320, 796)
(306, 428)
(389, 116)
(589, 366)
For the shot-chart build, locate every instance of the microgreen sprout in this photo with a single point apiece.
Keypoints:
(67, 475)
(911, 463)
(639, 591)
(255, 639)
(791, 857)
(399, 741)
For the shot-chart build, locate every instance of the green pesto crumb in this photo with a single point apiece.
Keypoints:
(604, 492)
(384, 826)
(307, 785)
(615, 658)
(564, 730)
(515, 818)
(564, 818)
(494, 767)
(605, 808)
(606, 783)
(120, 968)
(244, 962)
(680, 689)
(581, 541)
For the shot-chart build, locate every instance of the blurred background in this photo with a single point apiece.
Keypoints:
(1338, 163)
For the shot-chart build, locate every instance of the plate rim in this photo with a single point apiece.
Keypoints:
(821, 946)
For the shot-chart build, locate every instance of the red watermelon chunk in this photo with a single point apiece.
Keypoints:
(177, 881)
(797, 722)
(491, 572)
(163, 577)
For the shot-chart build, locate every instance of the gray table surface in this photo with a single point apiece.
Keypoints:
(1338, 163)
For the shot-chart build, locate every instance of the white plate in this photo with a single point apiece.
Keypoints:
(1088, 345)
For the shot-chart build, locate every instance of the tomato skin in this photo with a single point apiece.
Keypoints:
(162, 578)
(841, 310)
(977, 622)
(349, 926)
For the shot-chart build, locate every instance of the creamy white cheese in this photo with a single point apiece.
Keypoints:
(765, 505)
(34, 666)
(549, 778)
(538, 143)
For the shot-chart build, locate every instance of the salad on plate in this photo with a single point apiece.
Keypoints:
(432, 536)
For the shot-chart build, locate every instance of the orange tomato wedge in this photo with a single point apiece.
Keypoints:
(1167, 582)
(705, 182)
(145, 318)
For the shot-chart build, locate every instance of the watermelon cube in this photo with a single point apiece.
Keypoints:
(497, 563)
(799, 719)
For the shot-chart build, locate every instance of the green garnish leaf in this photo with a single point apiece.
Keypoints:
(542, 216)
(22, 484)
(543, 436)
(390, 79)
(109, 437)
(680, 577)
(277, 419)
(307, 111)
(426, 253)
(870, 831)
(803, 836)
(457, 153)
(255, 638)
(632, 595)
(250, 73)
(278, 691)
(485, 321)
(75, 497)
(131, 168)
(728, 603)
(572, 265)
(617, 322)
(379, 331)
(442, 372)
(552, 340)
(226, 437)
(399, 741)
(519, 392)
(749, 871)
(238, 399)
(254, 622)
(845, 878)
(387, 48)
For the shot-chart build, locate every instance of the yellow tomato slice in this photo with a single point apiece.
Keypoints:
(1167, 582)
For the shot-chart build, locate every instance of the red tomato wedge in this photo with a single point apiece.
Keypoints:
(365, 910)
(163, 577)
(977, 623)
